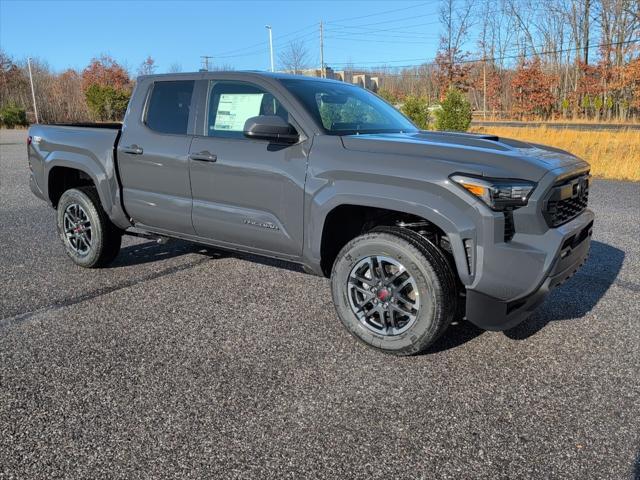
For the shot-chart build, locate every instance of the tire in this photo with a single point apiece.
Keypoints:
(89, 237)
(430, 293)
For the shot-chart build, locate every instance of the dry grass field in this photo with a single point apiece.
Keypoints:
(612, 154)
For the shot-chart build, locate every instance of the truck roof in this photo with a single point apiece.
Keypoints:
(237, 73)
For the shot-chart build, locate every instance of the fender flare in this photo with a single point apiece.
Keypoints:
(443, 209)
(93, 168)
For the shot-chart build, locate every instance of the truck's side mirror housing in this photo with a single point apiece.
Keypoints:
(270, 127)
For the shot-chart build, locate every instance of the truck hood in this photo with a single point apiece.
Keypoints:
(486, 155)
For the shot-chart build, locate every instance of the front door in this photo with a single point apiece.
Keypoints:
(246, 192)
(153, 159)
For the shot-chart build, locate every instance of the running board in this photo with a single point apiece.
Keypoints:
(135, 232)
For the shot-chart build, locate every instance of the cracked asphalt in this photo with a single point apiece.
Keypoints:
(183, 362)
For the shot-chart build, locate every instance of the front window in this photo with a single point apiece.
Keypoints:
(344, 109)
(231, 104)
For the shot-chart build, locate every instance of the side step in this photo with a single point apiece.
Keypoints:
(136, 232)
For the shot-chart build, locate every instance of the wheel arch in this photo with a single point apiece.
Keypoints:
(342, 215)
(68, 170)
(61, 178)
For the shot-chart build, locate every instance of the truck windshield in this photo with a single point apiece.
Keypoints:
(344, 109)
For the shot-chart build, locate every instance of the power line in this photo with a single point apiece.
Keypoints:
(265, 46)
(487, 59)
(393, 20)
(404, 42)
(337, 31)
(263, 43)
(547, 52)
(241, 52)
(381, 13)
(369, 31)
(388, 32)
(405, 37)
(399, 29)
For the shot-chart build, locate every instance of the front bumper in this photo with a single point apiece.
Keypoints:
(491, 313)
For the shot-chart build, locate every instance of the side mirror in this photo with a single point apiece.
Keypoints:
(270, 127)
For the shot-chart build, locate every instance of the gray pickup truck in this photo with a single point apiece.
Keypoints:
(414, 228)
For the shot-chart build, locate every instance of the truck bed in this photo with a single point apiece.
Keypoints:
(93, 141)
(89, 147)
(110, 126)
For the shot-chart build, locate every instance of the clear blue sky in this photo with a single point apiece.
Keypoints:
(69, 33)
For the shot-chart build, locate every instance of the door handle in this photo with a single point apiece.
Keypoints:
(133, 149)
(203, 157)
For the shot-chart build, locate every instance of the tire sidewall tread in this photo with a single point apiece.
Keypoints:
(106, 238)
(429, 268)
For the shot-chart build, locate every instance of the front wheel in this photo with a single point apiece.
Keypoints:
(89, 237)
(394, 290)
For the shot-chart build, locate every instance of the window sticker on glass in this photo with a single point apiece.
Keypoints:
(235, 108)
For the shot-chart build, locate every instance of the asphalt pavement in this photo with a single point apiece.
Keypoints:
(184, 362)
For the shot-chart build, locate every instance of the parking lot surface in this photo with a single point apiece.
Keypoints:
(183, 362)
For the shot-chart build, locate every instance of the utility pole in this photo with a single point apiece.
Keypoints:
(268, 27)
(585, 30)
(204, 60)
(322, 71)
(33, 92)
(484, 87)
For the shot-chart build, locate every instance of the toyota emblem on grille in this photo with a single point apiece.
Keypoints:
(581, 189)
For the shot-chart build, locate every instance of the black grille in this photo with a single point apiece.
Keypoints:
(567, 200)
(565, 210)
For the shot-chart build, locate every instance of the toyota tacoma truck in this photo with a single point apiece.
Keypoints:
(414, 228)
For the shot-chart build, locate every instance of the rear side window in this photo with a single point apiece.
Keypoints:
(168, 109)
(232, 103)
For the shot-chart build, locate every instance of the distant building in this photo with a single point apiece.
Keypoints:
(363, 80)
(366, 81)
(344, 75)
(314, 72)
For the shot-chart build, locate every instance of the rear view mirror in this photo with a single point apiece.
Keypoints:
(270, 127)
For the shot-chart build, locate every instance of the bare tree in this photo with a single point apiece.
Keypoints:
(148, 67)
(294, 58)
(456, 18)
(175, 68)
(619, 22)
(349, 71)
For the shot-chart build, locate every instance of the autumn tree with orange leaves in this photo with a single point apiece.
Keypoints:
(105, 71)
(107, 88)
(452, 69)
(532, 90)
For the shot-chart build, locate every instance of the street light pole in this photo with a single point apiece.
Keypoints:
(322, 70)
(268, 27)
(33, 92)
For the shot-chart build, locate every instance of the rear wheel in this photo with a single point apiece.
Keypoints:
(394, 290)
(89, 237)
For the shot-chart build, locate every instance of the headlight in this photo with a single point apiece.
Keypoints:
(498, 193)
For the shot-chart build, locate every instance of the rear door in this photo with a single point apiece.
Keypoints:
(152, 157)
(246, 192)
